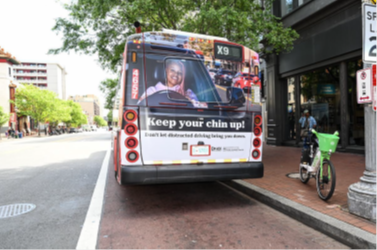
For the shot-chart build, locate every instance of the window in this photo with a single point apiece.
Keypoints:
(287, 6)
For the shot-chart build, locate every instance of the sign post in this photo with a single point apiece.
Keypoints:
(369, 33)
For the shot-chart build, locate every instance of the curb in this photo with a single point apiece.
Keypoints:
(334, 228)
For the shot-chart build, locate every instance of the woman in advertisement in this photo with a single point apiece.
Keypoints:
(175, 75)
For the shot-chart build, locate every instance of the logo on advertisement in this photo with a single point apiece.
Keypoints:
(216, 149)
(232, 149)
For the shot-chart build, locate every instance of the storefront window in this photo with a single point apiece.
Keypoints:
(291, 108)
(320, 94)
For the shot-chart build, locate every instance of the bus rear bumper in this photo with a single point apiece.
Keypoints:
(190, 173)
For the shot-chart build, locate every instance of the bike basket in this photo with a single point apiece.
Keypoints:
(327, 142)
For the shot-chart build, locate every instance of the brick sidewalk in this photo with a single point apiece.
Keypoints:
(280, 161)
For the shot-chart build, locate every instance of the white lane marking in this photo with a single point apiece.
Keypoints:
(89, 231)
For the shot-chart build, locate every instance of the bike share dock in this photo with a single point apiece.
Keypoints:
(301, 201)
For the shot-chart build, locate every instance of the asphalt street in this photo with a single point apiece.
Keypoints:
(58, 175)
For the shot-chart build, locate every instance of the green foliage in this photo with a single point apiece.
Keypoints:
(109, 87)
(101, 27)
(36, 103)
(4, 118)
(76, 115)
(100, 121)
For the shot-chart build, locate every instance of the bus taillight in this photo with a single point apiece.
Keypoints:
(131, 142)
(130, 116)
(132, 156)
(257, 142)
(255, 154)
(130, 129)
(258, 120)
(257, 131)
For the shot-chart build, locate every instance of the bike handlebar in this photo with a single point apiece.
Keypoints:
(315, 132)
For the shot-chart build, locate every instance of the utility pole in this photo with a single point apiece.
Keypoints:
(362, 195)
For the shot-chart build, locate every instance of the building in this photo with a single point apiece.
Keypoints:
(320, 75)
(90, 105)
(50, 76)
(8, 87)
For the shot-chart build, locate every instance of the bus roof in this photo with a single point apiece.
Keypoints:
(196, 35)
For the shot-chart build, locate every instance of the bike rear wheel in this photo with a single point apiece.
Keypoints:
(304, 174)
(326, 183)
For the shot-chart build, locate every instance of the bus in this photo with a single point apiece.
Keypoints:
(176, 124)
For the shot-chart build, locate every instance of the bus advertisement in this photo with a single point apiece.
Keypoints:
(176, 122)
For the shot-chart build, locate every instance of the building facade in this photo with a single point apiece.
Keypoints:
(319, 74)
(50, 76)
(90, 105)
(8, 87)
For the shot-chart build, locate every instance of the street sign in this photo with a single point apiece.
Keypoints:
(369, 33)
(364, 86)
(374, 87)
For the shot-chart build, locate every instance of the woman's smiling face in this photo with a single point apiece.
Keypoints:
(174, 74)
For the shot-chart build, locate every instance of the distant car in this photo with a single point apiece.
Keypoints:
(224, 77)
(79, 130)
(212, 73)
(245, 81)
(72, 130)
(93, 127)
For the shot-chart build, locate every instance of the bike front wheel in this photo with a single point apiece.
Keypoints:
(325, 180)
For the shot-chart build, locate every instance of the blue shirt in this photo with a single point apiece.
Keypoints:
(312, 122)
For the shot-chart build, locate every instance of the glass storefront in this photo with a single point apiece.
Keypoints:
(320, 94)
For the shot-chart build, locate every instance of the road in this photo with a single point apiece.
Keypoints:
(59, 174)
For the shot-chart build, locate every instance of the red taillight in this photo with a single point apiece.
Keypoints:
(257, 142)
(131, 142)
(257, 131)
(132, 156)
(258, 120)
(255, 154)
(130, 116)
(130, 129)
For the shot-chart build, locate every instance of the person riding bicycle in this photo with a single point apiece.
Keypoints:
(307, 124)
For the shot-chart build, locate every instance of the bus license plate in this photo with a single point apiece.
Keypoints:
(200, 150)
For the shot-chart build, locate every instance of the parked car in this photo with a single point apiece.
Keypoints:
(245, 81)
(212, 73)
(224, 77)
(86, 128)
(72, 130)
(93, 127)
(79, 130)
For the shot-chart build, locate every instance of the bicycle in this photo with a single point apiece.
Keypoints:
(316, 163)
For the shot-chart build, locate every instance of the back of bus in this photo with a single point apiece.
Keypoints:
(177, 124)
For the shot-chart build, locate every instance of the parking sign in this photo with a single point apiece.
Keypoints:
(364, 86)
(369, 33)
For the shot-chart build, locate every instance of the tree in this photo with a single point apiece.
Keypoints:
(60, 112)
(34, 102)
(109, 87)
(100, 121)
(4, 118)
(76, 115)
(101, 27)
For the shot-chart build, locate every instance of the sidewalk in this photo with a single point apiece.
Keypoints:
(301, 201)
(34, 135)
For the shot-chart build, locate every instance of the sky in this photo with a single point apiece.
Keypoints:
(25, 32)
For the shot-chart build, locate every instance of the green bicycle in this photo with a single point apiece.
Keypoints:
(315, 162)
